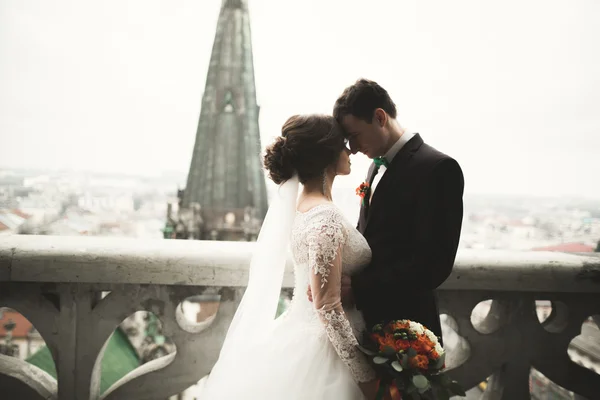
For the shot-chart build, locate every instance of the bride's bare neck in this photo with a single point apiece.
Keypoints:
(315, 192)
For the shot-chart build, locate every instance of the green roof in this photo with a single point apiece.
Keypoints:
(119, 359)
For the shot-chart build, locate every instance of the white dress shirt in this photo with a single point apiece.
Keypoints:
(389, 156)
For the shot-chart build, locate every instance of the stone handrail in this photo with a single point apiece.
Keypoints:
(209, 263)
(55, 282)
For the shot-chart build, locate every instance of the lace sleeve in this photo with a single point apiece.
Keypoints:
(325, 242)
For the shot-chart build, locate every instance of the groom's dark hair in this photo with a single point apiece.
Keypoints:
(362, 99)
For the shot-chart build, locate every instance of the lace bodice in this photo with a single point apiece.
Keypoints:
(325, 246)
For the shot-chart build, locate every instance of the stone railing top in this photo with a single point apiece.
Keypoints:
(29, 258)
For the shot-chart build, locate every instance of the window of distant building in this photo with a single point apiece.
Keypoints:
(228, 102)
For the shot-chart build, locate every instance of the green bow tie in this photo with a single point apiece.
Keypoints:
(379, 161)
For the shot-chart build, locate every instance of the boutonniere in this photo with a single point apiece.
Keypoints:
(362, 190)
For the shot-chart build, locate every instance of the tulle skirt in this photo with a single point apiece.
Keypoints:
(291, 362)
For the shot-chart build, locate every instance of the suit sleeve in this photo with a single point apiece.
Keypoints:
(439, 214)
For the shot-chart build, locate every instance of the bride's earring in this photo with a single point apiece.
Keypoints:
(325, 182)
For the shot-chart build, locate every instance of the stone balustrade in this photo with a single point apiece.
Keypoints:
(56, 283)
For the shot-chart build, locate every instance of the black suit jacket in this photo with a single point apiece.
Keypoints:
(413, 226)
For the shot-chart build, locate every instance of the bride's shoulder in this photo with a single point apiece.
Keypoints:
(319, 210)
(324, 214)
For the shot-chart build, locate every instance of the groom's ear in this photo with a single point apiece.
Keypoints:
(380, 117)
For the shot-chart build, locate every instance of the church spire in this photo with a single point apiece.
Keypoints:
(225, 176)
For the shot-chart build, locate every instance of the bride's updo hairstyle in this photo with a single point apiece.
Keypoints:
(307, 146)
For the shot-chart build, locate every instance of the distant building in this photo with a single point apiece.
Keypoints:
(18, 337)
(12, 221)
(567, 248)
(5, 229)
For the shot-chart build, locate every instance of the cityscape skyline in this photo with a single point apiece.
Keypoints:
(341, 183)
(90, 204)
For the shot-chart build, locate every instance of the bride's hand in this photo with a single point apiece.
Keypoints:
(370, 389)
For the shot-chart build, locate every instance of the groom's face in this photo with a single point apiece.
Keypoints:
(365, 137)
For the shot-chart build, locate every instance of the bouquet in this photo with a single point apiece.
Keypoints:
(409, 357)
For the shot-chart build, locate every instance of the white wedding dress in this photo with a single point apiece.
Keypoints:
(309, 352)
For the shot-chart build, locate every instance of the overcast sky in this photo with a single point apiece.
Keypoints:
(510, 88)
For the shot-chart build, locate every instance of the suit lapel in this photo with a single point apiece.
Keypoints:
(398, 163)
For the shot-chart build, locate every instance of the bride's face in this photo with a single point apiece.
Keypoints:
(343, 164)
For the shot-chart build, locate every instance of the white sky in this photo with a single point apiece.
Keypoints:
(510, 88)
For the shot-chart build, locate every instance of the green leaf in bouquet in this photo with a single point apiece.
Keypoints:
(410, 387)
(420, 382)
(456, 389)
(427, 389)
(441, 393)
(380, 360)
(389, 351)
(440, 361)
(366, 351)
(411, 391)
(396, 365)
(443, 380)
(405, 364)
(412, 352)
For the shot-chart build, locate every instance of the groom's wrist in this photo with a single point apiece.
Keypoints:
(357, 289)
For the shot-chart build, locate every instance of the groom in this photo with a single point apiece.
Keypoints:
(411, 218)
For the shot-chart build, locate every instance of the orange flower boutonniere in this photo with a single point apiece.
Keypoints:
(362, 190)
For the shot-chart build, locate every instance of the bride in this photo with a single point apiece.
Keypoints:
(310, 351)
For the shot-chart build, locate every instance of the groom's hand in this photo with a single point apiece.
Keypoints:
(347, 296)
